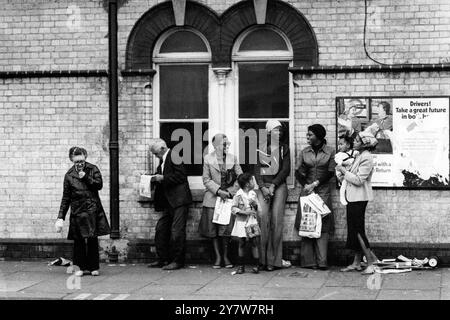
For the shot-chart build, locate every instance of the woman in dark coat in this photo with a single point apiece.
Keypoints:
(87, 217)
(316, 168)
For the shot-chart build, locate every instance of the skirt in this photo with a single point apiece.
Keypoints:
(208, 229)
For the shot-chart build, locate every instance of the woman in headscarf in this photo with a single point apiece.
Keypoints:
(316, 168)
(220, 172)
(358, 192)
(272, 169)
(87, 217)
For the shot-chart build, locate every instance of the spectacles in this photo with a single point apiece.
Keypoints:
(79, 161)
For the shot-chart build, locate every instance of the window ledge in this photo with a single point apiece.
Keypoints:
(197, 196)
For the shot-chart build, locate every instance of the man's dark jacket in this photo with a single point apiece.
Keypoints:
(174, 190)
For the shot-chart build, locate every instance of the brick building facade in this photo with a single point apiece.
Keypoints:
(54, 94)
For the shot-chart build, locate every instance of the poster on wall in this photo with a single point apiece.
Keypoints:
(413, 138)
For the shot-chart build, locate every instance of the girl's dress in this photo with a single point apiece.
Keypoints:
(345, 159)
(243, 201)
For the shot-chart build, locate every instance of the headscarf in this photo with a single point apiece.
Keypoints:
(368, 140)
(272, 124)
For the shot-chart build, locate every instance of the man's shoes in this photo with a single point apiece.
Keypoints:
(157, 264)
(173, 266)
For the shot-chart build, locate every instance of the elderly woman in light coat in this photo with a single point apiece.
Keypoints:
(220, 172)
(358, 193)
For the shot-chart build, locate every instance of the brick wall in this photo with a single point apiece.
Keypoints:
(395, 215)
(42, 117)
(45, 35)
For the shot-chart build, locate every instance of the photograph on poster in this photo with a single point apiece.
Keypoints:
(412, 133)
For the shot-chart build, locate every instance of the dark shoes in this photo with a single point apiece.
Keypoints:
(240, 270)
(157, 264)
(255, 269)
(173, 266)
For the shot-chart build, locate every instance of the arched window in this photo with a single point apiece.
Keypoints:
(261, 57)
(182, 60)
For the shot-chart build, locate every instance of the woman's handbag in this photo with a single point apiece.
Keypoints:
(230, 178)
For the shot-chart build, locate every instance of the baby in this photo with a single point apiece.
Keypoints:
(345, 157)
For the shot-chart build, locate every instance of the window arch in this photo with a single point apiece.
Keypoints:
(182, 60)
(261, 57)
(182, 45)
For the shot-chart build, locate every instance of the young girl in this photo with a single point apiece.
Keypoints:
(245, 206)
(344, 157)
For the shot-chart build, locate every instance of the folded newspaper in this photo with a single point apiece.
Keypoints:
(316, 203)
(145, 186)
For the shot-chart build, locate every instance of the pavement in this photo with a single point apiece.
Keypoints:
(36, 281)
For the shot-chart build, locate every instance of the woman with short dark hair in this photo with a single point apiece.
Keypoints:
(87, 217)
(316, 168)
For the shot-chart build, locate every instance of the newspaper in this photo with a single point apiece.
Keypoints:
(145, 186)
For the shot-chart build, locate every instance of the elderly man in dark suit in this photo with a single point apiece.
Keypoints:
(173, 197)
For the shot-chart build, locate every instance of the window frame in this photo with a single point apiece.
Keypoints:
(182, 58)
(265, 57)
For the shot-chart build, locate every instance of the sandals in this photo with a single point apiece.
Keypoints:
(351, 268)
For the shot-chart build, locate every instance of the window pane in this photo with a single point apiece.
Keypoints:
(263, 39)
(183, 41)
(188, 132)
(263, 90)
(183, 91)
(247, 163)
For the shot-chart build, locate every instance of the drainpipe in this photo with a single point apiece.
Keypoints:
(113, 120)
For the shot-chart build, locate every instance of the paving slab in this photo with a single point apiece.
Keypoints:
(167, 290)
(346, 293)
(235, 291)
(34, 276)
(31, 296)
(242, 279)
(445, 293)
(291, 282)
(60, 285)
(114, 286)
(10, 266)
(285, 293)
(16, 285)
(412, 280)
(187, 276)
(346, 279)
(386, 294)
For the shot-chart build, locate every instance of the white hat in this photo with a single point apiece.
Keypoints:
(272, 124)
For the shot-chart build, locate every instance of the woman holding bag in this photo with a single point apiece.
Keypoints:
(87, 217)
(316, 168)
(220, 172)
(358, 192)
